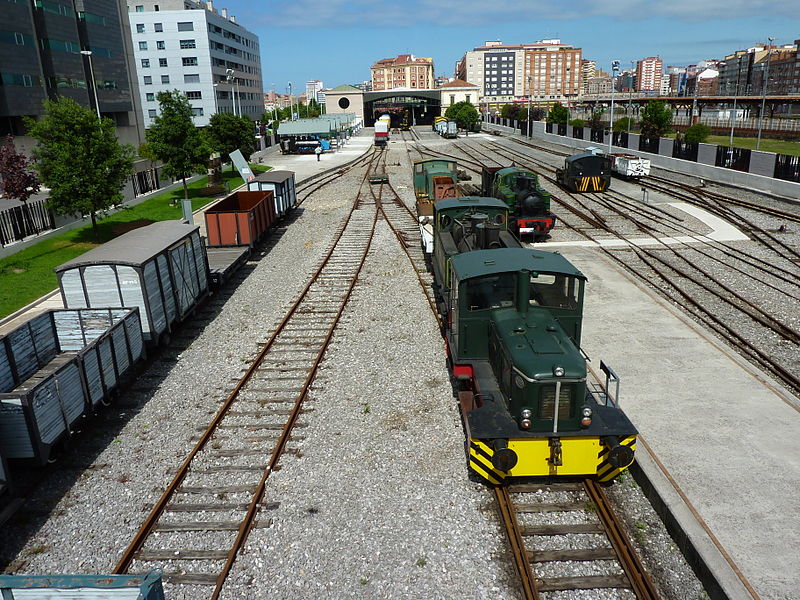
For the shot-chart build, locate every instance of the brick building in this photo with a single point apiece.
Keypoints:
(404, 71)
(648, 74)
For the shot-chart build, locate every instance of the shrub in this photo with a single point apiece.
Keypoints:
(697, 133)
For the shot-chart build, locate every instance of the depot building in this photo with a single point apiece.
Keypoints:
(405, 106)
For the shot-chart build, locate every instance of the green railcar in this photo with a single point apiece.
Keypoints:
(513, 320)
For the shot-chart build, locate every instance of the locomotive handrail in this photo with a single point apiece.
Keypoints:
(611, 376)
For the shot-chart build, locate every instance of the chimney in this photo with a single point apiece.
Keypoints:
(210, 6)
(233, 19)
(224, 13)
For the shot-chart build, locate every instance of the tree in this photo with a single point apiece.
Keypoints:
(175, 140)
(621, 124)
(226, 133)
(656, 119)
(577, 123)
(558, 114)
(16, 179)
(510, 111)
(537, 114)
(80, 159)
(595, 120)
(464, 114)
(698, 132)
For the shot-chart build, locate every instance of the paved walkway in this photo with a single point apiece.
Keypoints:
(727, 435)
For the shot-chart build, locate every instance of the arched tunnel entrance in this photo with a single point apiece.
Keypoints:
(405, 107)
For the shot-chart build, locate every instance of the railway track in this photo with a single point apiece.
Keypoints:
(629, 574)
(566, 537)
(196, 529)
(662, 273)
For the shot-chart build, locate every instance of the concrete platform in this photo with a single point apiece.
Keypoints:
(726, 434)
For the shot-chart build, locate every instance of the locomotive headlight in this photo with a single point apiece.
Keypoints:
(526, 413)
(587, 417)
(525, 423)
(587, 412)
(558, 371)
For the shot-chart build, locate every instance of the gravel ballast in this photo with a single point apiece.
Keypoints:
(374, 501)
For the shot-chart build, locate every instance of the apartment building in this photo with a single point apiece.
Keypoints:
(404, 71)
(44, 54)
(588, 71)
(649, 74)
(205, 53)
(313, 89)
(544, 70)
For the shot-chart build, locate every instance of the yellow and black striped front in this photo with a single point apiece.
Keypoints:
(606, 471)
(580, 456)
(591, 184)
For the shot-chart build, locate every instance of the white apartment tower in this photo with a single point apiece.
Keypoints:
(648, 74)
(192, 47)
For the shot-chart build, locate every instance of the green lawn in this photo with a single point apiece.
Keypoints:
(28, 274)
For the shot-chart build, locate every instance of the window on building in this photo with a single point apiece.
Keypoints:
(161, 45)
(151, 113)
(186, 26)
(191, 78)
(145, 63)
(158, 27)
(140, 28)
(162, 62)
(151, 97)
(148, 80)
(197, 112)
(165, 79)
(142, 45)
(468, 99)
(188, 44)
(155, 7)
(139, 8)
(194, 95)
(189, 61)
(452, 98)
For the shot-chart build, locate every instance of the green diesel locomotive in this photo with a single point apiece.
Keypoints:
(513, 320)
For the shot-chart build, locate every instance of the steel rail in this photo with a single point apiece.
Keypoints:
(160, 506)
(515, 539)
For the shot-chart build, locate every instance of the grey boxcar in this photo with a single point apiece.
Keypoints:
(161, 268)
(58, 367)
(281, 183)
(82, 587)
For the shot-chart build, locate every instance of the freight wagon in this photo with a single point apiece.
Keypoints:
(240, 219)
(160, 268)
(282, 185)
(629, 165)
(82, 587)
(58, 367)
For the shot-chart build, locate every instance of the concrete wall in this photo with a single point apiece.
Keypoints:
(760, 181)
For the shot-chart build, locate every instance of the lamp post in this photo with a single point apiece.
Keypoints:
(694, 99)
(630, 98)
(239, 95)
(736, 94)
(529, 106)
(88, 54)
(229, 79)
(614, 69)
(291, 108)
(216, 106)
(763, 92)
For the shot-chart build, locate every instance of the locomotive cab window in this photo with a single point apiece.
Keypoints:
(491, 291)
(556, 291)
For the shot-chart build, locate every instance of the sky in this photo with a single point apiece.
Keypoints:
(336, 41)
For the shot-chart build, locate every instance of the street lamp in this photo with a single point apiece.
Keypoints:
(736, 94)
(291, 108)
(88, 54)
(229, 78)
(216, 106)
(764, 92)
(630, 98)
(614, 69)
(529, 106)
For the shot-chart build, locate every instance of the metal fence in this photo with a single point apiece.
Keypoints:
(737, 159)
(597, 136)
(649, 144)
(28, 219)
(620, 138)
(145, 181)
(787, 167)
(685, 150)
